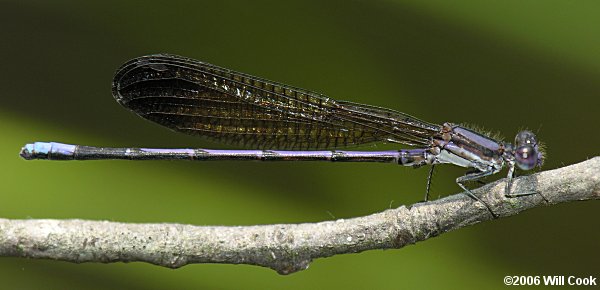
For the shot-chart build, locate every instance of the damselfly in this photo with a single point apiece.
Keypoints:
(285, 123)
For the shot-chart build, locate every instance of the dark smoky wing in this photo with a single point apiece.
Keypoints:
(403, 128)
(202, 99)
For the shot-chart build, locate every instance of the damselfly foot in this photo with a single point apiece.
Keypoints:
(508, 194)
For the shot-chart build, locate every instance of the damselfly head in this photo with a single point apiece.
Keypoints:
(527, 153)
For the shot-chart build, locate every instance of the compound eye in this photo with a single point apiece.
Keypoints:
(525, 138)
(526, 157)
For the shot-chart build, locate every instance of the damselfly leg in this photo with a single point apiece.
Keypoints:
(429, 176)
(474, 177)
(509, 181)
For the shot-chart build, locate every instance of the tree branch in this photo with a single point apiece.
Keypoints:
(288, 248)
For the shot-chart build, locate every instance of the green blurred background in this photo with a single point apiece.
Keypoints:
(505, 65)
